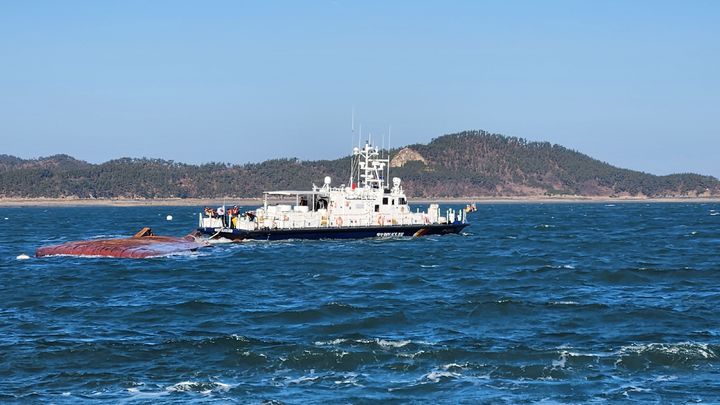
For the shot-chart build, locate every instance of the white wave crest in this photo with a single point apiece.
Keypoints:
(304, 379)
(382, 342)
(412, 355)
(454, 367)
(201, 387)
(392, 343)
(333, 342)
(686, 349)
(564, 303)
(348, 379)
(435, 376)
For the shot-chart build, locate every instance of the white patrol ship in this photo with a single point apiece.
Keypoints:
(368, 207)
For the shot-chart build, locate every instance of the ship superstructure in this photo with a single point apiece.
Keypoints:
(369, 206)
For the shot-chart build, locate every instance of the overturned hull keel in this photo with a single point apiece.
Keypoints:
(143, 244)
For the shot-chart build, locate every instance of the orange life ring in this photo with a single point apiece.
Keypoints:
(338, 221)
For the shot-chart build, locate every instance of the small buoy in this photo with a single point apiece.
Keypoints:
(23, 257)
(169, 217)
(6, 218)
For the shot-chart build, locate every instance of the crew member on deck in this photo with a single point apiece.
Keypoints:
(221, 213)
(233, 212)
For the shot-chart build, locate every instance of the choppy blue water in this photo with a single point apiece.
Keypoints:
(568, 303)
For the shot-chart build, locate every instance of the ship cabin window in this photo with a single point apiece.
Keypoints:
(385, 200)
(322, 203)
(377, 208)
(402, 201)
(392, 202)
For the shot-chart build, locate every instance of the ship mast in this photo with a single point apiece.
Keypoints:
(372, 167)
(369, 165)
(352, 145)
(357, 153)
(388, 155)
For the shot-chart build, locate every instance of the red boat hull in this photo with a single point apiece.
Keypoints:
(142, 245)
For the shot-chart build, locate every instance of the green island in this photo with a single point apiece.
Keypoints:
(469, 164)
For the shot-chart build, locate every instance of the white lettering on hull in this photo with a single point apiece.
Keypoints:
(389, 234)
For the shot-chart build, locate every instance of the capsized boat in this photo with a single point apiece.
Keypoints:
(142, 245)
(369, 206)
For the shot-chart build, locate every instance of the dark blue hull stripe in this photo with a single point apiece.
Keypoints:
(336, 233)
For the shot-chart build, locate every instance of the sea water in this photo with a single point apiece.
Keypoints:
(552, 303)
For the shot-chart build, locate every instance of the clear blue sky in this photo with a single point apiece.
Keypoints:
(634, 83)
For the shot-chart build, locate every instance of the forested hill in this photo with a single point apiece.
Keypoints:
(467, 164)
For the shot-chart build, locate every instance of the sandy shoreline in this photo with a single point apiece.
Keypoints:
(64, 202)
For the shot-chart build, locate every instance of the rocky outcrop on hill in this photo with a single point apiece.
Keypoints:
(406, 155)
